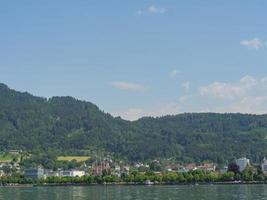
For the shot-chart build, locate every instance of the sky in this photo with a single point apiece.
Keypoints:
(139, 58)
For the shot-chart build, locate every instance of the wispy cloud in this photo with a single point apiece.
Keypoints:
(159, 110)
(184, 98)
(152, 9)
(186, 85)
(140, 12)
(156, 10)
(246, 95)
(255, 43)
(174, 73)
(122, 85)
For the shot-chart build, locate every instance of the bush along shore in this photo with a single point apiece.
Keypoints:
(249, 175)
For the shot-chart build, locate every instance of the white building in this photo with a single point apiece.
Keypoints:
(72, 173)
(264, 166)
(242, 163)
(77, 173)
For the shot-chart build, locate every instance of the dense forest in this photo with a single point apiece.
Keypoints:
(65, 125)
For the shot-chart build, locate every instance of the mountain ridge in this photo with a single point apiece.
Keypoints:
(68, 125)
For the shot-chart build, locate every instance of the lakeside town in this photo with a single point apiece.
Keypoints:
(107, 170)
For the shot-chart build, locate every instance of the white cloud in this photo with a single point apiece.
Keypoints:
(156, 10)
(254, 43)
(130, 114)
(174, 73)
(184, 98)
(248, 95)
(222, 90)
(122, 85)
(152, 9)
(232, 91)
(252, 104)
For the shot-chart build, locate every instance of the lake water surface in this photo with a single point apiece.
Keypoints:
(201, 192)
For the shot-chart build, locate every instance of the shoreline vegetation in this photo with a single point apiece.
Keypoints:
(195, 177)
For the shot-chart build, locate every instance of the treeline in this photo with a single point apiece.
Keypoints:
(197, 176)
(67, 126)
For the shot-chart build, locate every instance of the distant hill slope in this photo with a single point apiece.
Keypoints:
(65, 124)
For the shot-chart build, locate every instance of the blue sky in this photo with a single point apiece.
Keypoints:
(139, 58)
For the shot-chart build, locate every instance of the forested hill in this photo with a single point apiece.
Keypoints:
(65, 124)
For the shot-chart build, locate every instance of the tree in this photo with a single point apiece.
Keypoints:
(155, 166)
(248, 173)
(228, 176)
(233, 167)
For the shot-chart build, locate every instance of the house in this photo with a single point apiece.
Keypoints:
(182, 170)
(15, 152)
(242, 163)
(99, 169)
(208, 167)
(223, 170)
(191, 167)
(5, 164)
(2, 173)
(171, 167)
(264, 166)
(77, 173)
(65, 173)
(49, 173)
(35, 173)
(116, 170)
(72, 173)
(125, 170)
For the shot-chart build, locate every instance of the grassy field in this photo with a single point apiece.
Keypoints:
(70, 158)
(5, 158)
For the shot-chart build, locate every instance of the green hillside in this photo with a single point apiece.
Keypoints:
(65, 125)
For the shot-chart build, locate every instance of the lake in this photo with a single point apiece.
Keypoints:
(201, 192)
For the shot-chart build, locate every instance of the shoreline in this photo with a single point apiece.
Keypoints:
(130, 184)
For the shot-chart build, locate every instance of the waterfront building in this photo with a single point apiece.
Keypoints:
(49, 173)
(78, 173)
(14, 152)
(264, 166)
(5, 164)
(65, 173)
(99, 169)
(34, 173)
(71, 173)
(2, 173)
(208, 167)
(242, 163)
(117, 170)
